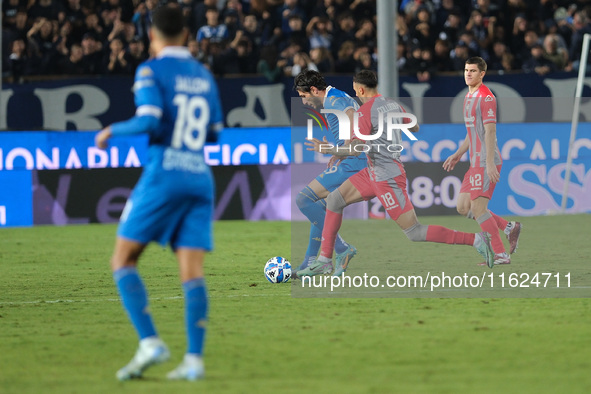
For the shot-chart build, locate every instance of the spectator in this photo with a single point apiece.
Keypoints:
(142, 19)
(554, 53)
(236, 58)
(537, 62)
(295, 33)
(117, 63)
(213, 30)
(422, 35)
(232, 22)
(252, 31)
(508, 62)
(200, 11)
(20, 28)
(323, 59)
(420, 63)
(193, 47)
(73, 64)
(9, 10)
(136, 53)
(302, 61)
(459, 56)
(344, 31)
(366, 33)
(288, 9)
(48, 9)
(451, 27)
(92, 26)
(319, 33)
(269, 65)
(42, 39)
(495, 62)
(19, 62)
(441, 57)
(581, 26)
(93, 53)
(345, 62)
(483, 33)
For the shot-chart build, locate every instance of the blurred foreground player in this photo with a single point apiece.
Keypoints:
(178, 106)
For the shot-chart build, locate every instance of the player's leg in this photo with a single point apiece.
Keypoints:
(488, 224)
(134, 298)
(311, 203)
(394, 198)
(336, 201)
(196, 307)
(511, 229)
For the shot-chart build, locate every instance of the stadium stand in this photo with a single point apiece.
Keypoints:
(106, 37)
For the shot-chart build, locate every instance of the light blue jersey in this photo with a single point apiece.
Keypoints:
(339, 100)
(178, 105)
(333, 177)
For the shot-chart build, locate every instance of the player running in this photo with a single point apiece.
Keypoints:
(384, 177)
(480, 116)
(178, 106)
(314, 92)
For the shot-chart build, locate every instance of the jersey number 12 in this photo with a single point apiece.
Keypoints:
(190, 130)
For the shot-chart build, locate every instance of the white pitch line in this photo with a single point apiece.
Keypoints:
(303, 295)
(118, 300)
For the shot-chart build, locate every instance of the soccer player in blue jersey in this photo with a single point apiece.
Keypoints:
(314, 91)
(178, 106)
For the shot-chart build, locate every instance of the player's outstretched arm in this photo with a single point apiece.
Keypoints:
(102, 138)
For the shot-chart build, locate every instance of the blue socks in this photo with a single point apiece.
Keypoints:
(195, 314)
(135, 300)
(314, 209)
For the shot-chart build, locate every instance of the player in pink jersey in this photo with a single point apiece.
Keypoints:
(480, 116)
(383, 177)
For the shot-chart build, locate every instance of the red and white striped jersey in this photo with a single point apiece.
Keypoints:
(480, 108)
(382, 153)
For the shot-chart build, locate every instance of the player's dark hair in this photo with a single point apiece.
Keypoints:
(478, 61)
(304, 81)
(366, 78)
(168, 20)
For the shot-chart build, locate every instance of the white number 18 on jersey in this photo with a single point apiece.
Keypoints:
(190, 130)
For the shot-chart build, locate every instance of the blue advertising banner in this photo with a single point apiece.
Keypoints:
(532, 177)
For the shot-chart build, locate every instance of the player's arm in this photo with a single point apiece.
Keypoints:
(490, 138)
(148, 113)
(451, 161)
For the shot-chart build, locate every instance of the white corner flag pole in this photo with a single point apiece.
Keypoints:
(575, 121)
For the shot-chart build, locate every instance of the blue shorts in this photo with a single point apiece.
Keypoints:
(170, 207)
(333, 177)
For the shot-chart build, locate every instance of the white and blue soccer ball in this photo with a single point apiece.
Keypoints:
(278, 270)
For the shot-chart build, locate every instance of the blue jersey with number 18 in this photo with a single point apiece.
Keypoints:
(178, 105)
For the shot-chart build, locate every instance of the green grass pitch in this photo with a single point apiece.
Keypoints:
(63, 330)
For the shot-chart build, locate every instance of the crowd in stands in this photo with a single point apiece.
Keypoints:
(279, 38)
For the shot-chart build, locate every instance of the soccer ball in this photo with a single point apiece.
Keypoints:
(278, 270)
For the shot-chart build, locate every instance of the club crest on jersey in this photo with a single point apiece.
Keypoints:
(146, 72)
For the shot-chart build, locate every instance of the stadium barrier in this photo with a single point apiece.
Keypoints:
(92, 103)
